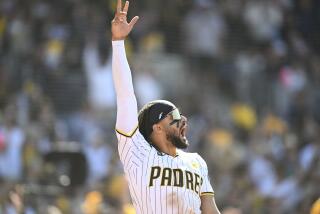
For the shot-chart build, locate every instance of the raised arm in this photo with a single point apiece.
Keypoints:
(127, 111)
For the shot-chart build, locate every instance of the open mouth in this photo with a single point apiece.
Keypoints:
(183, 131)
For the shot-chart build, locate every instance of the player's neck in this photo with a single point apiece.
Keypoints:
(166, 147)
(171, 150)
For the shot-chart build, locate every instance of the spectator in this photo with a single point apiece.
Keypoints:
(98, 156)
(13, 139)
(97, 63)
(264, 19)
(203, 43)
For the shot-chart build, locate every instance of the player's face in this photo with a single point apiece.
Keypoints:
(176, 128)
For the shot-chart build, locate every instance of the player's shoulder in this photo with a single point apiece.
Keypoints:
(127, 134)
(191, 155)
(194, 158)
(186, 154)
(134, 135)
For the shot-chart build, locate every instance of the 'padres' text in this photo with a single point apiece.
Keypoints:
(176, 177)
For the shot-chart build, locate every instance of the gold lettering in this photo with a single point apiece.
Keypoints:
(166, 177)
(197, 183)
(178, 177)
(155, 173)
(189, 180)
(175, 177)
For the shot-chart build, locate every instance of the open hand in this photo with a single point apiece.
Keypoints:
(120, 28)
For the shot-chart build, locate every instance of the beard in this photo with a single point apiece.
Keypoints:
(180, 143)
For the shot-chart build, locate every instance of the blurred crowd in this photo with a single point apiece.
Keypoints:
(246, 73)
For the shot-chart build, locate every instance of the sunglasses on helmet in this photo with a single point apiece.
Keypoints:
(176, 116)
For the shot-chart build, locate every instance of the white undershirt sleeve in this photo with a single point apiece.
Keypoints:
(127, 111)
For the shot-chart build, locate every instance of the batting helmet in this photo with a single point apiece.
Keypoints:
(152, 113)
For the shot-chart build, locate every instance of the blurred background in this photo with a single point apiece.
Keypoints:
(246, 73)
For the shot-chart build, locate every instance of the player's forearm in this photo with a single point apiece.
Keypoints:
(121, 70)
(208, 205)
(126, 100)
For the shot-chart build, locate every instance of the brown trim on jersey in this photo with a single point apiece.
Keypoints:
(130, 134)
(207, 193)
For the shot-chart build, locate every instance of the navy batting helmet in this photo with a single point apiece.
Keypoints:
(152, 113)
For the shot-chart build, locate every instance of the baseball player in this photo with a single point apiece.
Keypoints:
(162, 178)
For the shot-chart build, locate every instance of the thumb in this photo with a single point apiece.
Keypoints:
(133, 21)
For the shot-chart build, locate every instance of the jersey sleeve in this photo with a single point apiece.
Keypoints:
(127, 110)
(133, 149)
(132, 146)
(206, 188)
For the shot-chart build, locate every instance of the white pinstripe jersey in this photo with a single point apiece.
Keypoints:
(160, 183)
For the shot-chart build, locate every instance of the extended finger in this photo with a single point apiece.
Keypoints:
(119, 6)
(126, 7)
(133, 21)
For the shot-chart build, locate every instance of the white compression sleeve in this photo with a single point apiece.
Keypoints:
(127, 111)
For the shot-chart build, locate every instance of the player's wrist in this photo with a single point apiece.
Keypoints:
(113, 38)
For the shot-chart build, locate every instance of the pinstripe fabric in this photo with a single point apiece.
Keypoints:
(169, 192)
